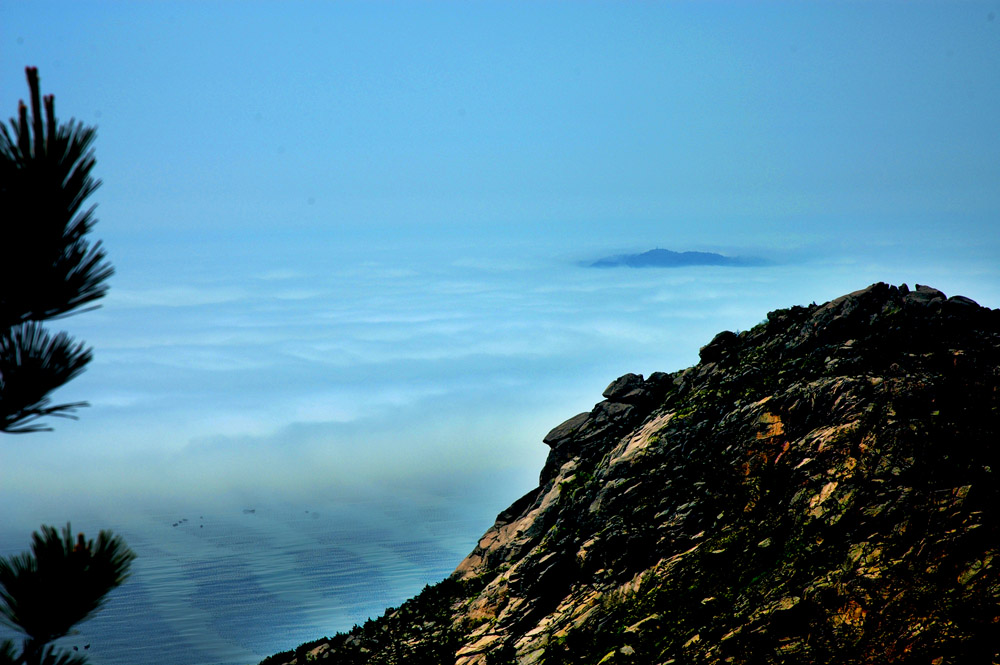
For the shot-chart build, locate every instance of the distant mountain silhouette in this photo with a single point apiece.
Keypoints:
(664, 258)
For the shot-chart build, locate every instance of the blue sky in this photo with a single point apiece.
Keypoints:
(347, 234)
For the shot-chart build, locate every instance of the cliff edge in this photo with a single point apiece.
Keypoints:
(821, 488)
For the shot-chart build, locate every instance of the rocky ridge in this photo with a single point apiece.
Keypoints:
(821, 488)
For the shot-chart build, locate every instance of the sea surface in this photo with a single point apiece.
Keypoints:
(230, 588)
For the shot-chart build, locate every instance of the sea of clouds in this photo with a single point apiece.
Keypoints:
(374, 400)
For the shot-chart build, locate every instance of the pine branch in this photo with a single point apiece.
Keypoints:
(45, 178)
(33, 364)
(44, 593)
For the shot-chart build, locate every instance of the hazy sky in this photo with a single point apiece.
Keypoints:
(347, 234)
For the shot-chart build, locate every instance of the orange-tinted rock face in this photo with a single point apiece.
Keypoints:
(819, 489)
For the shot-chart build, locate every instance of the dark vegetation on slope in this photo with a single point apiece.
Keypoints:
(820, 489)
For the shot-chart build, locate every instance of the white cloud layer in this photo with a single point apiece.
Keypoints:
(440, 368)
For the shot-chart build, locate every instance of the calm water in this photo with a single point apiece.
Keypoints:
(231, 588)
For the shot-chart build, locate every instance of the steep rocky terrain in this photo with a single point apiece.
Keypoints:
(819, 489)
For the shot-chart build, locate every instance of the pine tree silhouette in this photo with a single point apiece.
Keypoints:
(44, 593)
(48, 268)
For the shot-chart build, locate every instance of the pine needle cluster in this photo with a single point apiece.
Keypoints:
(48, 267)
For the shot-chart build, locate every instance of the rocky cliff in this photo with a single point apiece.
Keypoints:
(819, 489)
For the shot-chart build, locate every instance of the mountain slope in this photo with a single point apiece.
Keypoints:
(821, 488)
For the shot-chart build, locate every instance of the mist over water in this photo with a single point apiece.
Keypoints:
(311, 438)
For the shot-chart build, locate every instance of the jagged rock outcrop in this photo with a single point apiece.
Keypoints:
(819, 489)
